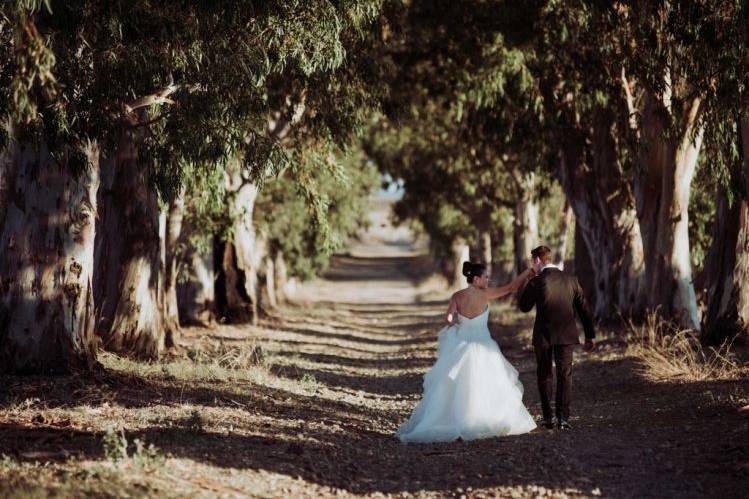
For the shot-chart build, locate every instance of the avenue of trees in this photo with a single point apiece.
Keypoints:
(157, 147)
(639, 110)
(178, 162)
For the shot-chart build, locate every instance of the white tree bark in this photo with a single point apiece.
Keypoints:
(685, 299)
(485, 249)
(663, 190)
(525, 218)
(245, 241)
(172, 230)
(461, 254)
(242, 255)
(46, 262)
(525, 231)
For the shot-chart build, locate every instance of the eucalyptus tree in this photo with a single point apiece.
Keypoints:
(675, 61)
(452, 70)
(310, 116)
(405, 154)
(128, 92)
(457, 186)
(344, 181)
(727, 264)
(585, 120)
(726, 114)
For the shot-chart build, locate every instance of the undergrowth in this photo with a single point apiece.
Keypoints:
(668, 351)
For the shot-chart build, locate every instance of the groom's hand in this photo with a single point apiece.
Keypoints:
(589, 346)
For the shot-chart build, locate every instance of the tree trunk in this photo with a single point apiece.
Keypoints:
(460, 254)
(270, 282)
(485, 249)
(8, 171)
(47, 234)
(560, 253)
(282, 277)
(172, 227)
(129, 274)
(727, 269)
(240, 257)
(603, 204)
(196, 297)
(525, 225)
(582, 266)
(663, 191)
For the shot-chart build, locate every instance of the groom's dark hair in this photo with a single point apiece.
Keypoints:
(542, 252)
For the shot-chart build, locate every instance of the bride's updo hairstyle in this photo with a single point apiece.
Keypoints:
(471, 270)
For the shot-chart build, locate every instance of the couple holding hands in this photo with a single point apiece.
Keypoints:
(472, 391)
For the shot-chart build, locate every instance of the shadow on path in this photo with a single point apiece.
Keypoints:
(631, 438)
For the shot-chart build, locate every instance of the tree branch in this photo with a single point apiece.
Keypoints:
(630, 101)
(161, 96)
(280, 128)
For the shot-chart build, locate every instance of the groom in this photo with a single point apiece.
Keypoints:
(558, 297)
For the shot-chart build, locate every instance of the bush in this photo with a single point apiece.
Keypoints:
(668, 351)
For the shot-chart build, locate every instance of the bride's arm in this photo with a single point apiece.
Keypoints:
(514, 285)
(452, 309)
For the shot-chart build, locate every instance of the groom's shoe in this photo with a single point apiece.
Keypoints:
(564, 425)
(549, 424)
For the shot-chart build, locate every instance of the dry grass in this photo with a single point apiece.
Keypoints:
(245, 355)
(669, 352)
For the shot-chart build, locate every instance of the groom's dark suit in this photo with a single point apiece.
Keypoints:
(558, 298)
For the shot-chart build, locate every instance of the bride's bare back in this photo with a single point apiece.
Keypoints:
(470, 302)
(473, 300)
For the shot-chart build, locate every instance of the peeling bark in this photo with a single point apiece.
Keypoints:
(604, 207)
(727, 315)
(196, 297)
(662, 191)
(241, 256)
(172, 228)
(128, 278)
(47, 234)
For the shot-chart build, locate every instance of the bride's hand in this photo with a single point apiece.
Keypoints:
(523, 278)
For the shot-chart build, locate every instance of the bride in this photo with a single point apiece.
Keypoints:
(472, 391)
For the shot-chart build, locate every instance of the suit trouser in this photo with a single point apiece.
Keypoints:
(561, 355)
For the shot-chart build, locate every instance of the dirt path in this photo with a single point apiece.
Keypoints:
(631, 437)
(312, 413)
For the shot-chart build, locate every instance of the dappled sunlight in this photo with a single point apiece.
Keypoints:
(309, 400)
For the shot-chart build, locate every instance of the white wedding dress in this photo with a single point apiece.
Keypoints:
(471, 392)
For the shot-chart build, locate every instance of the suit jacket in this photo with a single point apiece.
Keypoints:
(558, 297)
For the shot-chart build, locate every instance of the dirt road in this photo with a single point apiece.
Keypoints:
(631, 438)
